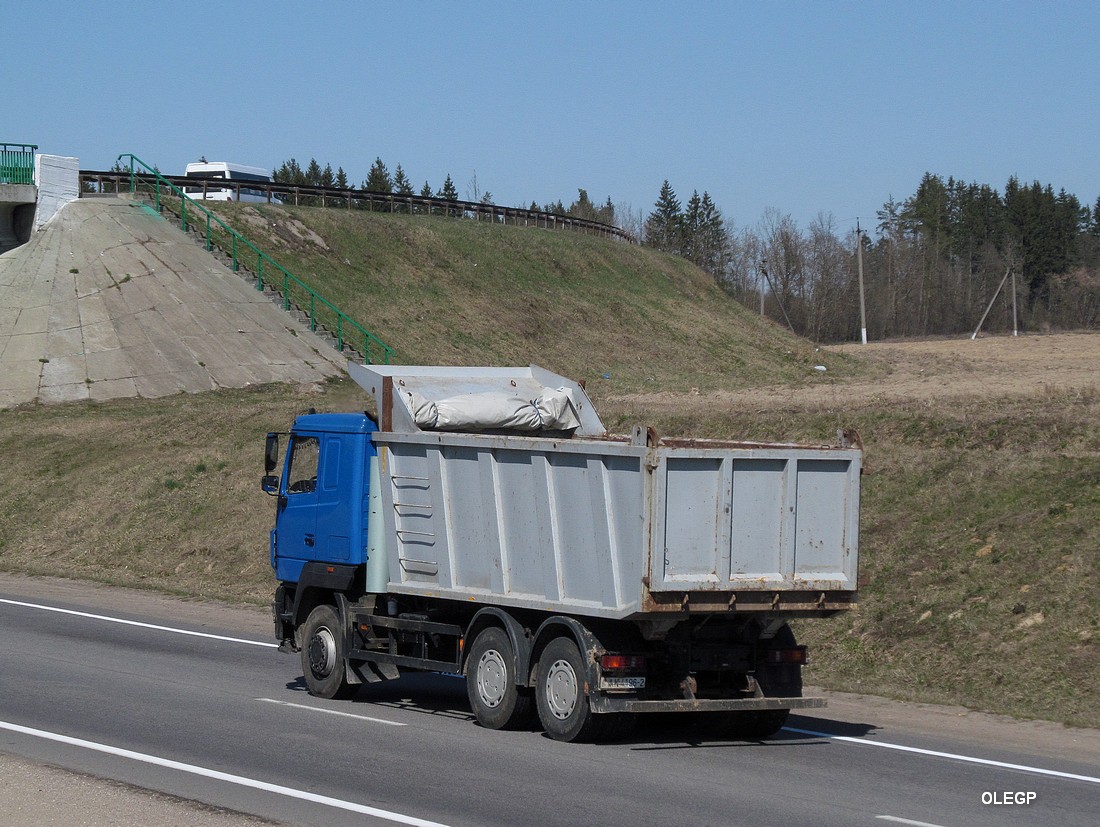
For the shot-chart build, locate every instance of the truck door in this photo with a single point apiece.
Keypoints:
(316, 521)
(296, 526)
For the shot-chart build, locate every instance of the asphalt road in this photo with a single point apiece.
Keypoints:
(221, 719)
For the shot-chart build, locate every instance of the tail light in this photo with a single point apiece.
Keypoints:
(622, 663)
(794, 655)
(622, 673)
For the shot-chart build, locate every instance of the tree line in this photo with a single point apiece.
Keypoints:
(380, 180)
(934, 263)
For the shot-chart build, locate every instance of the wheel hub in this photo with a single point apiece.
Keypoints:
(562, 689)
(492, 678)
(322, 652)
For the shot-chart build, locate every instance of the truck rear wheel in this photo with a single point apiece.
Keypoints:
(497, 701)
(561, 696)
(323, 654)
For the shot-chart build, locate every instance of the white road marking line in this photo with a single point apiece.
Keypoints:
(897, 820)
(262, 643)
(969, 759)
(239, 780)
(331, 712)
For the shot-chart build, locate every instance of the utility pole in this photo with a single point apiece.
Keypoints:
(1015, 326)
(1009, 270)
(862, 303)
(760, 278)
(775, 293)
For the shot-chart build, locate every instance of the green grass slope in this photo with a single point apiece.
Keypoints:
(447, 291)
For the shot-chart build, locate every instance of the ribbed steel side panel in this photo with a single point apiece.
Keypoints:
(590, 526)
(553, 525)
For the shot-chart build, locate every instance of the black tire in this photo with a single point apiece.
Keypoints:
(323, 654)
(560, 694)
(497, 701)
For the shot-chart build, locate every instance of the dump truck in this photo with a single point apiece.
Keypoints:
(484, 524)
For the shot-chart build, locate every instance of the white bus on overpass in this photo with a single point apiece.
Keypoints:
(211, 171)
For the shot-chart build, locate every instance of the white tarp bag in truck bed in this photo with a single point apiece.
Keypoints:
(551, 410)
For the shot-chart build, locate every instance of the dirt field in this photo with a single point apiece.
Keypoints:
(941, 369)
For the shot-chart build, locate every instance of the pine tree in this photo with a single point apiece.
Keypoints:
(378, 179)
(341, 179)
(583, 207)
(929, 209)
(401, 183)
(313, 173)
(1031, 213)
(448, 190)
(403, 186)
(290, 173)
(713, 238)
(606, 213)
(328, 179)
(663, 227)
(691, 229)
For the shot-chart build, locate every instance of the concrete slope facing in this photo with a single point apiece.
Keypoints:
(111, 300)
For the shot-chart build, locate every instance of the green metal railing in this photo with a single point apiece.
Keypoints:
(17, 163)
(294, 292)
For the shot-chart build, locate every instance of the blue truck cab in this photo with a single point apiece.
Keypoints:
(320, 532)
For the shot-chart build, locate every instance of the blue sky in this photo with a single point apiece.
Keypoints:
(804, 108)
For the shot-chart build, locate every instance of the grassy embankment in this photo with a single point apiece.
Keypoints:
(980, 519)
(978, 565)
(456, 292)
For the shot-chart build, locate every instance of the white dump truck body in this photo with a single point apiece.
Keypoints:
(601, 526)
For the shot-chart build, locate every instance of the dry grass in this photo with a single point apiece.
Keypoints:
(159, 493)
(980, 524)
(981, 511)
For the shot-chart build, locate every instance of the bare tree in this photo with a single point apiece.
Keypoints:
(784, 252)
(740, 272)
(830, 310)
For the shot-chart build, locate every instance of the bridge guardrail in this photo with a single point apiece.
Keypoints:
(383, 202)
(17, 163)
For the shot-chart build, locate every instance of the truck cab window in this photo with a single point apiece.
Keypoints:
(302, 477)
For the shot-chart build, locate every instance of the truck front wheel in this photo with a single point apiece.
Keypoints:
(323, 654)
(561, 695)
(497, 702)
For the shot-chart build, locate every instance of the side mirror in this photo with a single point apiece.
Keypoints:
(270, 484)
(271, 453)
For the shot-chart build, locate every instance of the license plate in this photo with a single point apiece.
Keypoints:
(622, 683)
